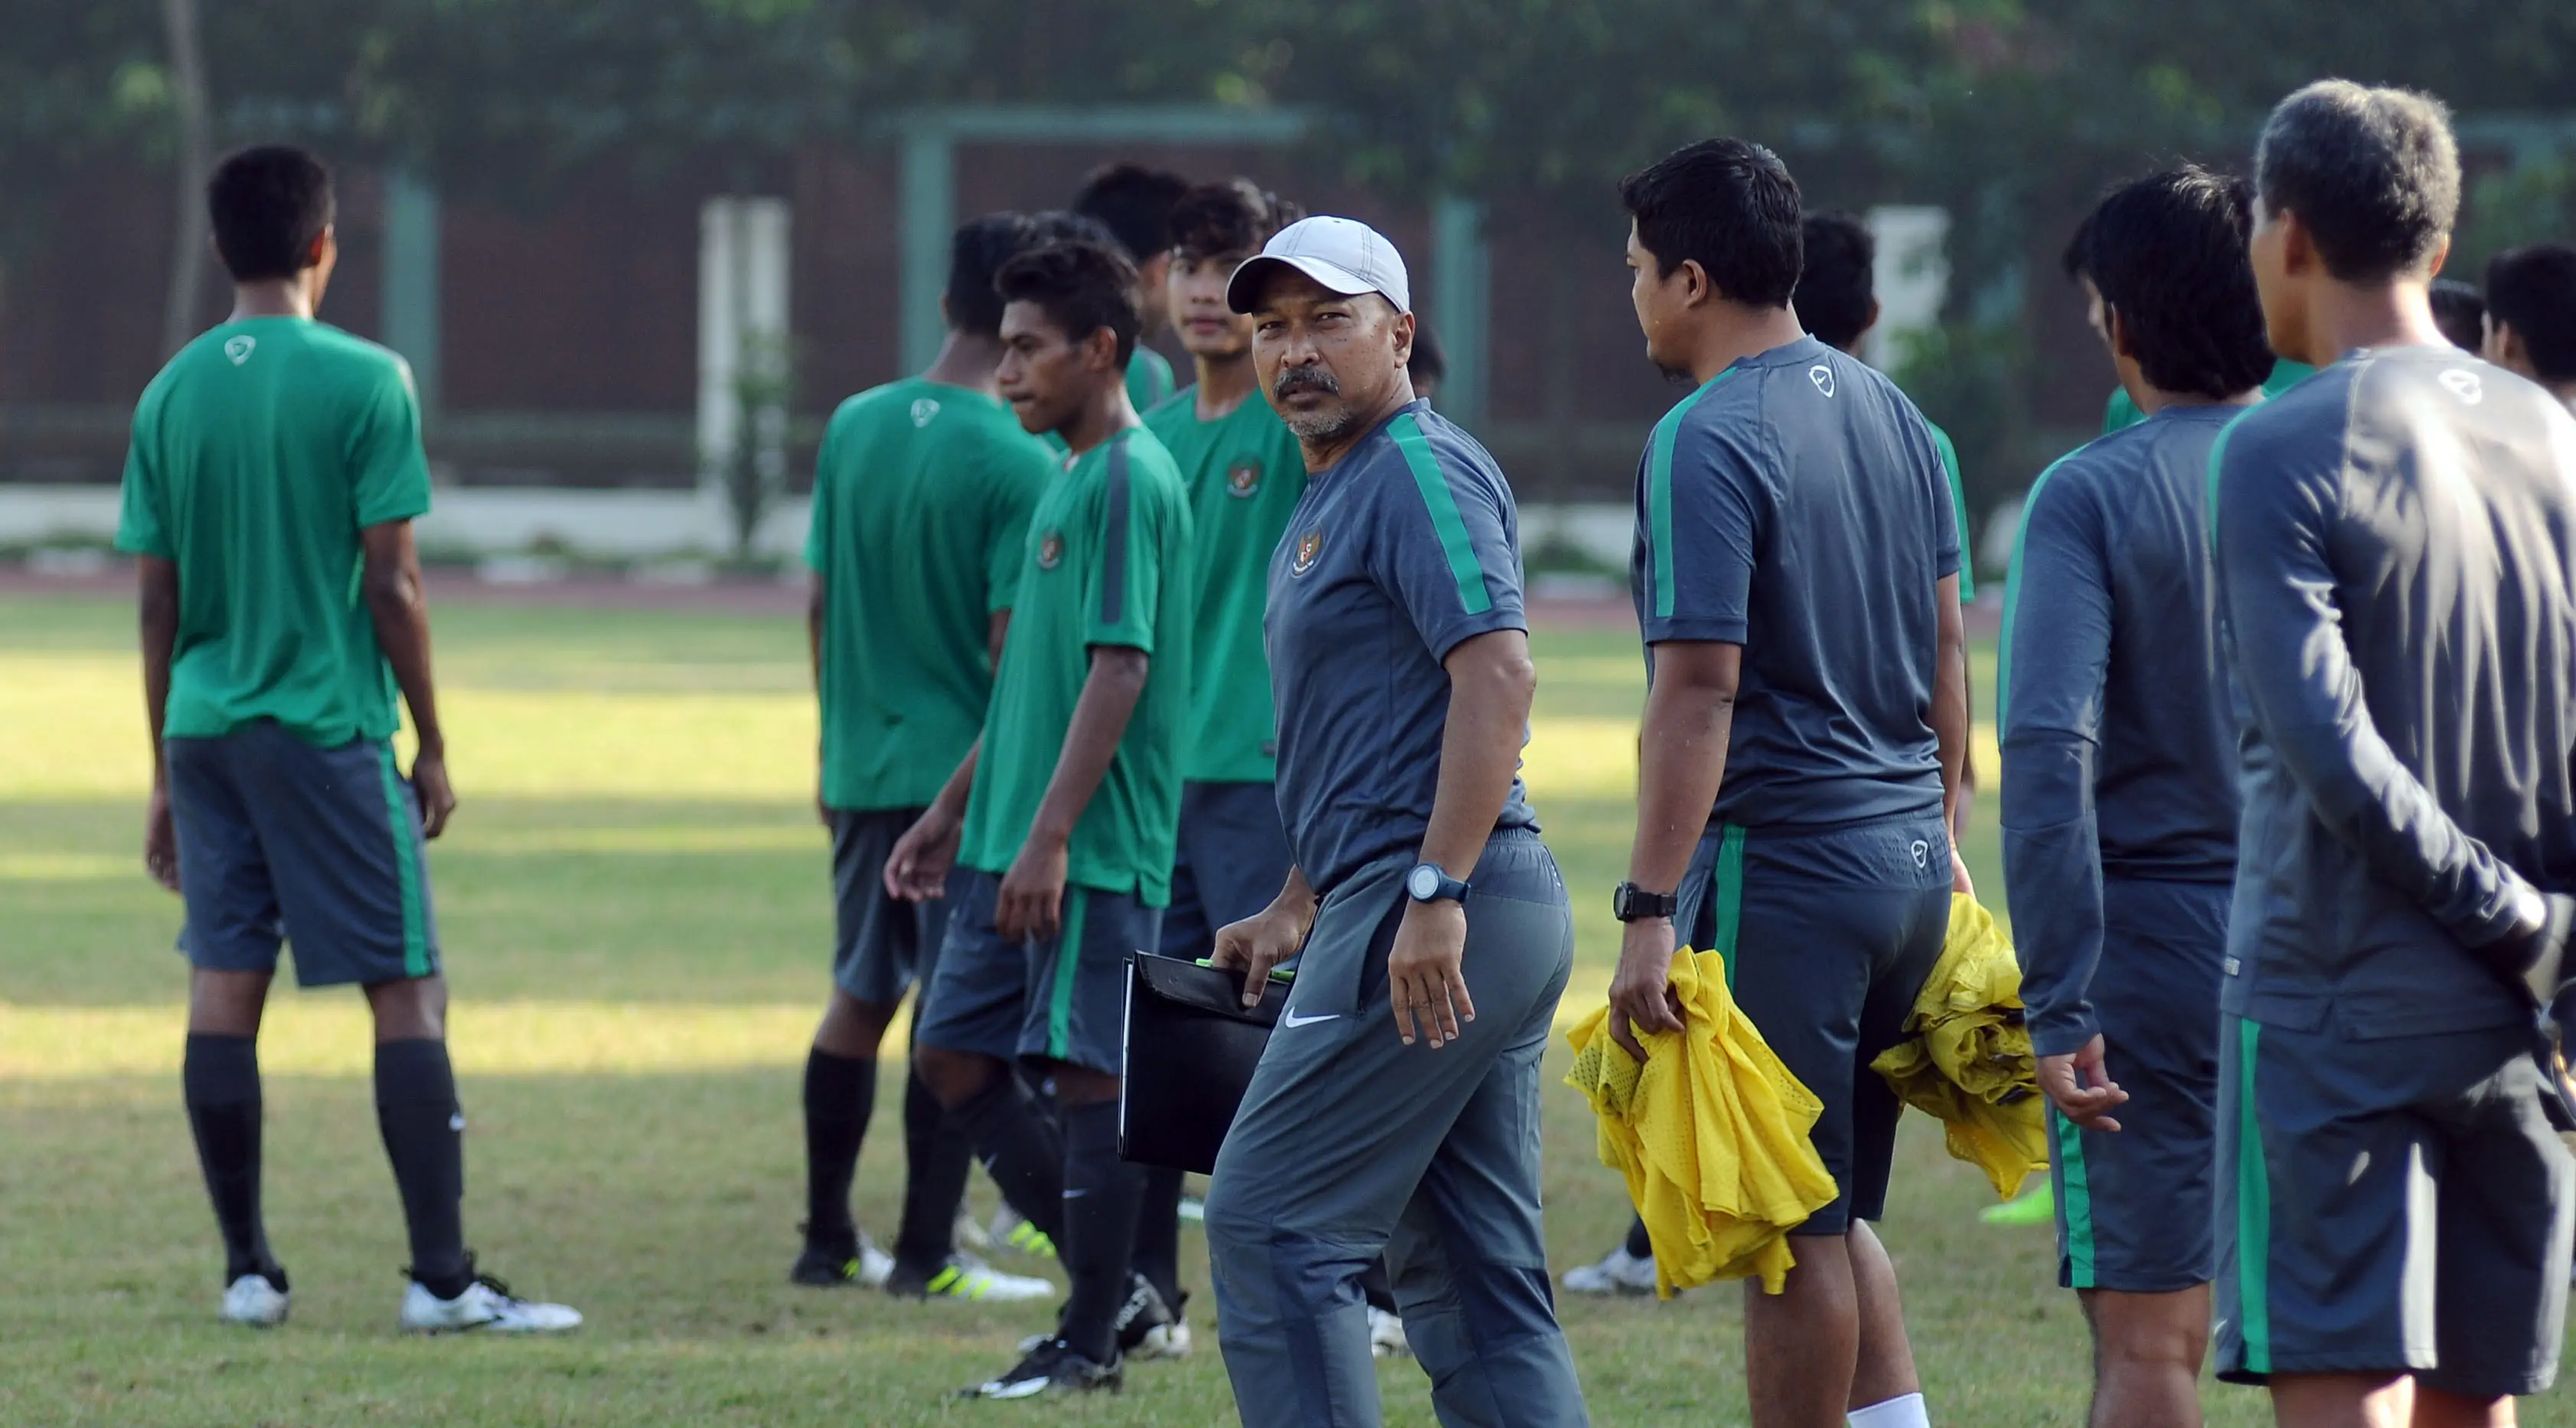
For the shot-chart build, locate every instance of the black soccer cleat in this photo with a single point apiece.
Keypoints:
(1052, 1367)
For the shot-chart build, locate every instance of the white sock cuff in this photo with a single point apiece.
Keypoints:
(1904, 1412)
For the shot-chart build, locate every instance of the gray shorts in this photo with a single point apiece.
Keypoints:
(282, 842)
(2134, 1206)
(881, 944)
(1232, 862)
(1062, 999)
(2395, 1205)
(1828, 935)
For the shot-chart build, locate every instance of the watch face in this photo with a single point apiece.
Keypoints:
(1424, 882)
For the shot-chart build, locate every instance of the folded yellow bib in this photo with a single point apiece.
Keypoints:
(1967, 1056)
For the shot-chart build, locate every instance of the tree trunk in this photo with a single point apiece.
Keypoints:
(188, 226)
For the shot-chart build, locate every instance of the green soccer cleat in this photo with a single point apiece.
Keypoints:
(2036, 1206)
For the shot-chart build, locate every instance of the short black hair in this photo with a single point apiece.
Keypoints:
(2167, 253)
(2533, 291)
(2373, 174)
(2461, 312)
(1081, 286)
(267, 205)
(1728, 205)
(1231, 216)
(1063, 225)
(1429, 363)
(976, 253)
(1135, 204)
(1838, 284)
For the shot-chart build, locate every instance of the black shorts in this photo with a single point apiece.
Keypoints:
(1829, 935)
(282, 842)
(1232, 862)
(881, 944)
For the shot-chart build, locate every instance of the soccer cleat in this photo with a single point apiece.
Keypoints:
(831, 1266)
(1386, 1336)
(2038, 1207)
(970, 1233)
(1051, 1366)
(1619, 1272)
(485, 1306)
(1142, 1315)
(1009, 1229)
(1165, 1341)
(966, 1277)
(255, 1301)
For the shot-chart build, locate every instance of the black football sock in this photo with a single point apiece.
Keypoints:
(1158, 1233)
(936, 1162)
(1021, 1149)
(424, 1131)
(1640, 1245)
(1099, 1240)
(220, 1081)
(840, 1095)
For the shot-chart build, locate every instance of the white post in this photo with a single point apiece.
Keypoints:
(764, 253)
(1912, 277)
(719, 348)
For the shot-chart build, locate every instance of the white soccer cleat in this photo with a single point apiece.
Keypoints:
(1164, 1341)
(1618, 1273)
(486, 1306)
(966, 1277)
(875, 1265)
(1386, 1336)
(251, 1300)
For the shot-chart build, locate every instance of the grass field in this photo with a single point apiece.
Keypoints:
(634, 907)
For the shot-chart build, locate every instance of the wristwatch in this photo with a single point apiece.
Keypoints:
(1429, 883)
(1631, 902)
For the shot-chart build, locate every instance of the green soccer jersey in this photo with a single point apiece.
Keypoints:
(1958, 505)
(1149, 378)
(922, 493)
(1107, 562)
(2120, 411)
(1244, 473)
(258, 455)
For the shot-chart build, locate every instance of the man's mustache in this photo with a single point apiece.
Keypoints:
(1299, 378)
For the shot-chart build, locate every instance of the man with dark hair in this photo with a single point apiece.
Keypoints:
(1797, 584)
(1430, 364)
(1134, 204)
(2394, 576)
(2119, 786)
(269, 492)
(2460, 310)
(1064, 810)
(1243, 472)
(922, 492)
(1399, 655)
(2531, 316)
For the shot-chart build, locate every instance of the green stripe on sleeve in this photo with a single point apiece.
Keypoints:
(2012, 592)
(415, 926)
(1727, 886)
(1659, 491)
(2253, 1213)
(2075, 1202)
(1068, 959)
(1445, 520)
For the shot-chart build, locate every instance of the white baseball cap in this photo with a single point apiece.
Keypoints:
(1343, 254)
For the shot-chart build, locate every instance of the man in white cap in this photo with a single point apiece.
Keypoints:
(1400, 669)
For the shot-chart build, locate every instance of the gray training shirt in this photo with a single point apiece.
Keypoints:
(1797, 506)
(1406, 548)
(2393, 564)
(2119, 738)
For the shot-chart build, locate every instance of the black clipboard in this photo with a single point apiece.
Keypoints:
(1187, 1054)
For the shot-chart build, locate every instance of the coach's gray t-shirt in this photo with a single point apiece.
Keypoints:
(2393, 549)
(1403, 550)
(1796, 506)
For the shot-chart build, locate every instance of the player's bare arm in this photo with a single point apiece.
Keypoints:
(917, 869)
(1681, 763)
(160, 621)
(400, 608)
(1950, 718)
(1032, 896)
(1491, 683)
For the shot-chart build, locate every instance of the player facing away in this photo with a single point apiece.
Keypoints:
(1243, 472)
(2460, 310)
(2395, 580)
(922, 493)
(1396, 1108)
(1134, 204)
(2119, 786)
(275, 470)
(1796, 576)
(2531, 315)
(1063, 812)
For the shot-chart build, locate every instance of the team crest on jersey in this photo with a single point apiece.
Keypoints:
(239, 348)
(1309, 545)
(923, 409)
(1823, 377)
(1244, 478)
(1050, 550)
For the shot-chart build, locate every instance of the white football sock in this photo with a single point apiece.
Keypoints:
(1904, 1412)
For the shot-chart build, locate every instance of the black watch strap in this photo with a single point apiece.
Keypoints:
(1631, 902)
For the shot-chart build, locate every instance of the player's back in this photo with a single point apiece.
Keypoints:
(2431, 499)
(258, 455)
(922, 493)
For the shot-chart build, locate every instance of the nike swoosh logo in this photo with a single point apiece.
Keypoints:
(1293, 1021)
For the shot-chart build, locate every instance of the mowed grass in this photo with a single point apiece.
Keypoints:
(635, 912)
